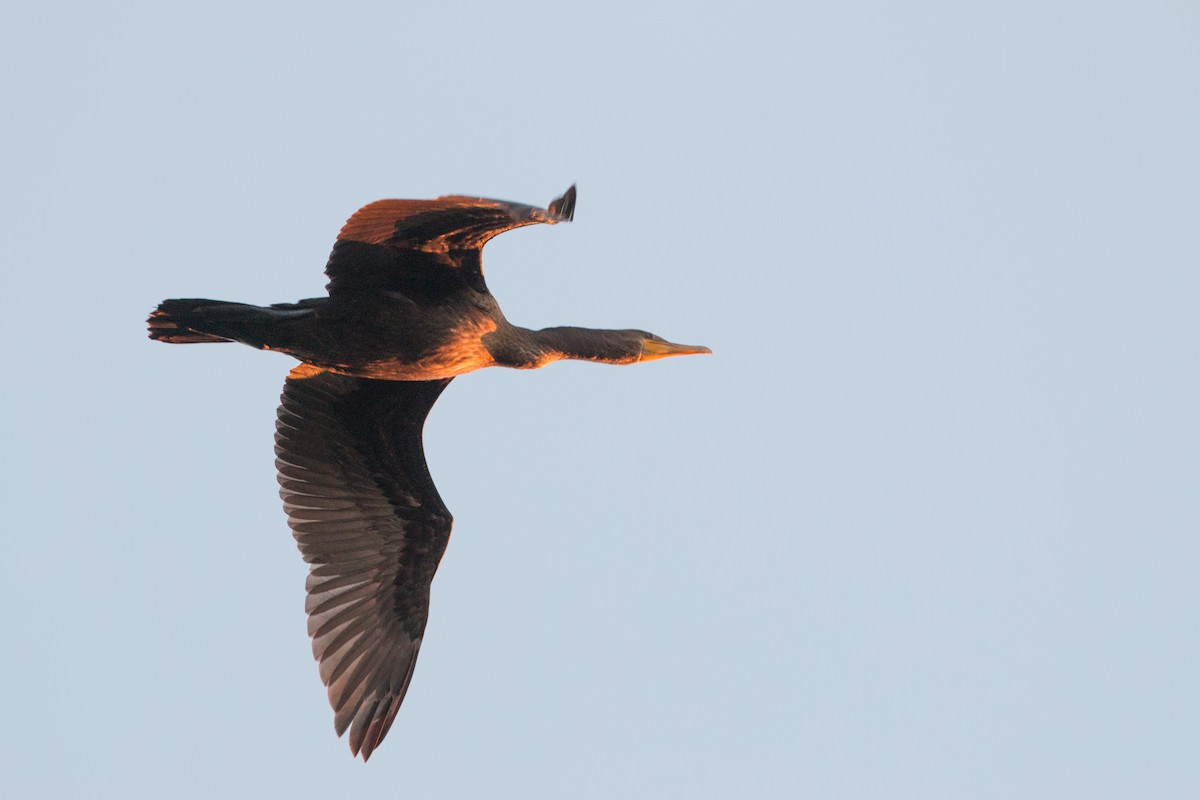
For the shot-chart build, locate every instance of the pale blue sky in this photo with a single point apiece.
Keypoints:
(924, 526)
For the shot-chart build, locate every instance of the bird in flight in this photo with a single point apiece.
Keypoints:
(407, 311)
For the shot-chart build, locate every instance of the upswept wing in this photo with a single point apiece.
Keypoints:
(370, 523)
(391, 245)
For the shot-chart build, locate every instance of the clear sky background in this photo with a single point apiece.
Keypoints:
(924, 526)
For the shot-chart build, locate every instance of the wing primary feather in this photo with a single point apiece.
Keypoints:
(563, 208)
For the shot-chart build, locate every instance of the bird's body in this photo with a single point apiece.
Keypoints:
(407, 311)
(389, 337)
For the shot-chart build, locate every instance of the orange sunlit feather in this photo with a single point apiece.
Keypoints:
(375, 223)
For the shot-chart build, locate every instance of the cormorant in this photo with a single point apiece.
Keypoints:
(407, 311)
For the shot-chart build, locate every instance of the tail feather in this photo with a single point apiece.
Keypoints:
(172, 322)
(194, 321)
(186, 321)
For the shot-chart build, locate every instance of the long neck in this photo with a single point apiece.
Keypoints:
(526, 349)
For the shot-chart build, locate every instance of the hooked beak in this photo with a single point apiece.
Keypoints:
(653, 349)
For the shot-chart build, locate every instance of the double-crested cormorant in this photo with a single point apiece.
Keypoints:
(407, 311)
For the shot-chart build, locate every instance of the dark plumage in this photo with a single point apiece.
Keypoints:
(407, 311)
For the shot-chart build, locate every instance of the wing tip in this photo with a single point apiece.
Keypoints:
(562, 209)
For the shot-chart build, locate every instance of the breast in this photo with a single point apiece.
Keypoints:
(396, 338)
(457, 351)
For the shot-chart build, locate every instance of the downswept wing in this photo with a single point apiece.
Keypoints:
(370, 523)
(392, 245)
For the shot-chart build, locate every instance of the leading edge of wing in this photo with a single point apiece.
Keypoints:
(445, 224)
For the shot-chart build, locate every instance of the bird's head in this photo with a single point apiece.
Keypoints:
(654, 347)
